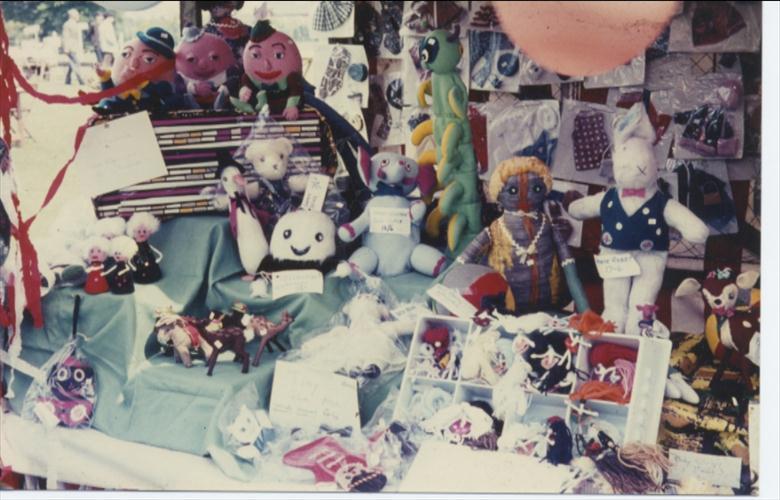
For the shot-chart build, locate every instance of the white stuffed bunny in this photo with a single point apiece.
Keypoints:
(635, 220)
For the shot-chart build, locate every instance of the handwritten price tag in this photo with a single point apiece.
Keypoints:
(300, 281)
(390, 221)
(453, 301)
(717, 470)
(316, 190)
(307, 398)
(618, 265)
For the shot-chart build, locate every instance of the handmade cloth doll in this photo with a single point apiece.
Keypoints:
(96, 251)
(245, 224)
(282, 190)
(206, 69)
(224, 25)
(272, 74)
(181, 335)
(635, 221)
(302, 240)
(391, 178)
(146, 261)
(525, 244)
(120, 276)
(150, 51)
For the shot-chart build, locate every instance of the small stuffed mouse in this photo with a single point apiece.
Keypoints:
(391, 178)
(146, 261)
(635, 220)
(120, 276)
(96, 250)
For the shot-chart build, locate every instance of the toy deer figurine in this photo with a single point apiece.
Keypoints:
(266, 331)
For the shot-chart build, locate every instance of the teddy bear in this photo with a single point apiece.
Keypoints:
(636, 218)
(391, 178)
(280, 190)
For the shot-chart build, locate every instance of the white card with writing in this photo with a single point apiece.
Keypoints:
(316, 191)
(409, 310)
(718, 470)
(616, 265)
(452, 300)
(389, 220)
(285, 283)
(117, 154)
(308, 398)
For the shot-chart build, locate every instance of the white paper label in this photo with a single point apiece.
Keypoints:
(717, 470)
(453, 301)
(389, 220)
(308, 398)
(299, 281)
(316, 190)
(118, 154)
(617, 265)
(410, 310)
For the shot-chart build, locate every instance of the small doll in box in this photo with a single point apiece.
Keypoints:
(526, 244)
(207, 70)
(272, 74)
(146, 261)
(96, 250)
(120, 276)
(150, 52)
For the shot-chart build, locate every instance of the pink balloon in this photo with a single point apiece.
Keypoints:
(584, 38)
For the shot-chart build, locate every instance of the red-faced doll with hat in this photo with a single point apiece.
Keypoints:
(272, 73)
(150, 52)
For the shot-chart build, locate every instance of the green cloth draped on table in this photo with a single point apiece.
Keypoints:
(155, 401)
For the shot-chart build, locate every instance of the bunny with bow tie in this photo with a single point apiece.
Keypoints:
(635, 221)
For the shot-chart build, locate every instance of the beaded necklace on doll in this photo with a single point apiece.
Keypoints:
(524, 252)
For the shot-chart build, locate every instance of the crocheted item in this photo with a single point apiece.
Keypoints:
(331, 14)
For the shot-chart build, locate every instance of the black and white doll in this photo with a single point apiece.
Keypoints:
(141, 227)
(302, 240)
(120, 276)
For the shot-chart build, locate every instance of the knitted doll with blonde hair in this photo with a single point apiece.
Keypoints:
(527, 244)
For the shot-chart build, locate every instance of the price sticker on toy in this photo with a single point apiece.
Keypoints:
(388, 220)
(316, 191)
(618, 265)
(453, 301)
(286, 283)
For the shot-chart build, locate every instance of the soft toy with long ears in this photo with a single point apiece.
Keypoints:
(732, 329)
(206, 69)
(391, 178)
(150, 52)
(454, 155)
(244, 222)
(272, 74)
(526, 244)
(635, 220)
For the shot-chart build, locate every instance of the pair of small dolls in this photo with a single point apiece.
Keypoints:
(119, 255)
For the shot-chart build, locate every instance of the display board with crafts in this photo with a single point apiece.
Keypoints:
(329, 243)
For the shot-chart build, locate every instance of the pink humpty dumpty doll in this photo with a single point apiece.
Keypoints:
(95, 253)
(204, 61)
(272, 73)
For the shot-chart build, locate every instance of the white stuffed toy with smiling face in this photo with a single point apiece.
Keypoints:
(302, 240)
(635, 220)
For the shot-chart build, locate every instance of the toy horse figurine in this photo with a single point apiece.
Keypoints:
(180, 333)
(454, 155)
(266, 331)
(222, 339)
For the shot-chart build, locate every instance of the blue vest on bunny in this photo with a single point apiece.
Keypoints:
(645, 230)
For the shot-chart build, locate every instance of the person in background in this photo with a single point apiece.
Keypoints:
(109, 45)
(73, 44)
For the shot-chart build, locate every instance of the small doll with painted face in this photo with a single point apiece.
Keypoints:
(150, 52)
(207, 69)
(224, 25)
(146, 261)
(525, 244)
(272, 74)
(96, 250)
(120, 276)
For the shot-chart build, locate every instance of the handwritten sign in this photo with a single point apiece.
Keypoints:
(316, 191)
(717, 470)
(409, 311)
(452, 301)
(286, 283)
(308, 398)
(617, 265)
(389, 220)
(118, 154)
